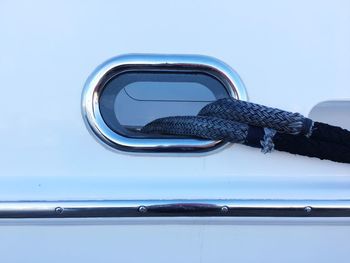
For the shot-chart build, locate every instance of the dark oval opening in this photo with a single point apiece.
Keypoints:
(131, 99)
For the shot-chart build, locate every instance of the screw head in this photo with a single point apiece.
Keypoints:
(59, 210)
(308, 209)
(142, 209)
(224, 209)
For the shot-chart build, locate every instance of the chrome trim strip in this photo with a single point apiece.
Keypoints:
(175, 208)
(94, 85)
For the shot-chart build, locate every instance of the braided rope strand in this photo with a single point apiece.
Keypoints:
(203, 127)
(326, 132)
(257, 115)
(294, 133)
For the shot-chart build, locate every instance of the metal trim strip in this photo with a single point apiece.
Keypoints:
(175, 208)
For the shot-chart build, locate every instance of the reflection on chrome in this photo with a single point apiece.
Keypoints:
(175, 208)
(97, 80)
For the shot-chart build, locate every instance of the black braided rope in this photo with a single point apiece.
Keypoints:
(312, 148)
(257, 115)
(203, 127)
(279, 120)
(330, 133)
(220, 121)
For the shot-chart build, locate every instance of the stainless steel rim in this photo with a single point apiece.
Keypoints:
(94, 84)
(175, 208)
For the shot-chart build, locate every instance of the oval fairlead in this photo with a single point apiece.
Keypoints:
(128, 91)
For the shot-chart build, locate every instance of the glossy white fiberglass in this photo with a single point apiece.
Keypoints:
(289, 54)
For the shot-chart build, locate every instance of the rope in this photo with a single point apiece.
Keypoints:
(203, 127)
(261, 127)
(279, 120)
(258, 115)
(326, 132)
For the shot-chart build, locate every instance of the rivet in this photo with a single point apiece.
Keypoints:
(142, 209)
(59, 210)
(308, 209)
(224, 209)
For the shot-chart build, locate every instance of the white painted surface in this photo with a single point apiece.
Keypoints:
(240, 240)
(290, 54)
